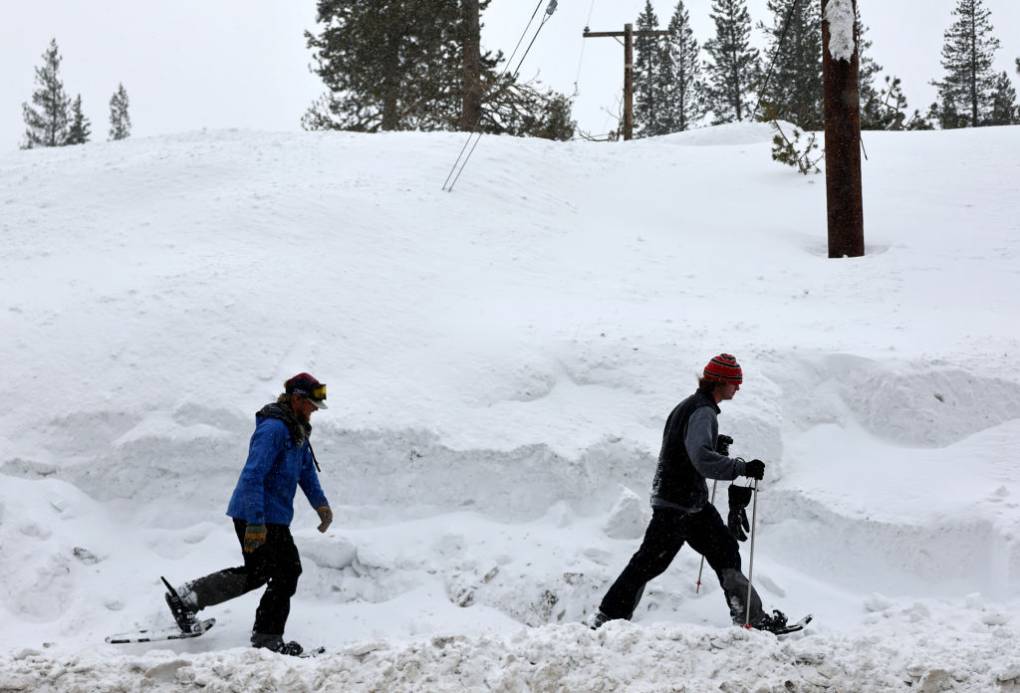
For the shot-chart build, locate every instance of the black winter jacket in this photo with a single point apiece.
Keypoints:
(688, 456)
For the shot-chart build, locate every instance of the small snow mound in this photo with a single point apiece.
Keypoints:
(720, 135)
(627, 519)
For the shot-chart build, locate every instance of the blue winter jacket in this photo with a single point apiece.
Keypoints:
(265, 492)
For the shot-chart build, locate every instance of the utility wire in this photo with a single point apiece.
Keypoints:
(580, 59)
(505, 67)
(775, 54)
(449, 184)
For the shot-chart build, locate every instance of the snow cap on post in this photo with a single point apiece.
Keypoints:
(841, 19)
(307, 386)
(723, 369)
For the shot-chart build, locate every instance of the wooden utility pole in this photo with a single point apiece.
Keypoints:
(471, 108)
(842, 138)
(628, 35)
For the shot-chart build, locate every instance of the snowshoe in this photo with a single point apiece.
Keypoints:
(275, 643)
(777, 624)
(183, 614)
(171, 633)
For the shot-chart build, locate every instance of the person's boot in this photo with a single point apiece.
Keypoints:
(275, 643)
(774, 623)
(598, 620)
(183, 605)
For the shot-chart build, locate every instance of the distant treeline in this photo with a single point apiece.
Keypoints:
(419, 65)
(54, 120)
(675, 88)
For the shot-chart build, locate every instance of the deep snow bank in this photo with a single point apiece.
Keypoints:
(501, 361)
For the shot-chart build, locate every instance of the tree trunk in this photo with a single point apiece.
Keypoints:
(391, 80)
(843, 148)
(471, 110)
(973, 71)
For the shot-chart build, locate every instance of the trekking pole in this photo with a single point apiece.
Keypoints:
(697, 586)
(750, 565)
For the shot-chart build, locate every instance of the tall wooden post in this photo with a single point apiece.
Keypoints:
(628, 35)
(471, 108)
(842, 138)
(628, 81)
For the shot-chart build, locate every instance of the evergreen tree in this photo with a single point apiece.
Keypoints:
(734, 68)
(794, 91)
(80, 129)
(1004, 108)
(886, 108)
(882, 108)
(648, 71)
(918, 122)
(680, 82)
(399, 65)
(390, 65)
(868, 71)
(523, 109)
(47, 120)
(548, 116)
(947, 114)
(969, 82)
(120, 120)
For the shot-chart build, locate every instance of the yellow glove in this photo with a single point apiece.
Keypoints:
(326, 517)
(254, 537)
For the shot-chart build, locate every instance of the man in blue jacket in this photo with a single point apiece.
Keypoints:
(280, 458)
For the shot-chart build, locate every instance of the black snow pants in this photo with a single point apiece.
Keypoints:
(669, 529)
(276, 562)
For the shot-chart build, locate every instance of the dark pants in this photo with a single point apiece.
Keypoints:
(276, 562)
(666, 534)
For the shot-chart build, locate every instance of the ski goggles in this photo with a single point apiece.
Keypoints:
(317, 395)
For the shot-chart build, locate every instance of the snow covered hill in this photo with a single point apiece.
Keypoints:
(501, 361)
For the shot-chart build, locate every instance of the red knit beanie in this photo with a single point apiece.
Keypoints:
(724, 369)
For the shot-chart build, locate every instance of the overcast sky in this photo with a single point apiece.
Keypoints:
(189, 64)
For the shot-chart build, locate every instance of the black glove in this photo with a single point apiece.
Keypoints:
(722, 445)
(755, 469)
(740, 496)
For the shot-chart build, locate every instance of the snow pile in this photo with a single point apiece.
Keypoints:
(622, 656)
(501, 361)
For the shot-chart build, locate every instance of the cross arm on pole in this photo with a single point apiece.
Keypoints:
(628, 35)
(620, 34)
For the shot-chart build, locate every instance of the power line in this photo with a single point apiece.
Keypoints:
(550, 9)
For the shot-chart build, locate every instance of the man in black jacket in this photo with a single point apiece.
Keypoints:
(681, 511)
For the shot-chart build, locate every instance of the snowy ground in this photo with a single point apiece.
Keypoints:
(500, 362)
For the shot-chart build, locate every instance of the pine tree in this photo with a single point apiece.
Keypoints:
(867, 73)
(120, 119)
(648, 90)
(548, 117)
(734, 68)
(881, 108)
(968, 84)
(886, 108)
(1004, 108)
(390, 65)
(47, 121)
(680, 82)
(399, 65)
(794, 91)
(947, 114)
(918, 122)
(80, 129)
